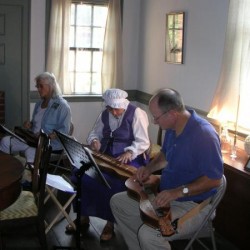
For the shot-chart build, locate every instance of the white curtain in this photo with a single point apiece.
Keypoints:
(112, 76)
(58, 43)
(231, 100)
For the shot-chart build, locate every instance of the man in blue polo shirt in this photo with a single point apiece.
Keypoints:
(192, 169)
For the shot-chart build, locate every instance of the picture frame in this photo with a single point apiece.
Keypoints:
(174, 37)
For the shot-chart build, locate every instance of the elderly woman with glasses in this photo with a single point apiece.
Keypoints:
(120, 131)
(51, 112)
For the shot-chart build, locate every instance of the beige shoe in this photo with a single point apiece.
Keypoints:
(107, 232)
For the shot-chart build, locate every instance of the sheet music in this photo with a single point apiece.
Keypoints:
(58, 182)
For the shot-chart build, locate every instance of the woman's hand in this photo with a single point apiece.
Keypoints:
(27, 124)
(52, 135)
(125, 157)
(95, 145)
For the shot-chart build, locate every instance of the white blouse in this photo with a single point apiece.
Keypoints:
(140, 130)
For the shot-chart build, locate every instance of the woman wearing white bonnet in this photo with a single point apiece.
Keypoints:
(120, 131)
(116, 98)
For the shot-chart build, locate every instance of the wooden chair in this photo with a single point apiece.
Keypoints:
(155, 148)
(28, 210)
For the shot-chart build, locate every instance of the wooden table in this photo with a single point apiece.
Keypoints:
(11, 170)
(232, 219)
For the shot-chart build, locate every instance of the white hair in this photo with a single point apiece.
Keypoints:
(51, 80)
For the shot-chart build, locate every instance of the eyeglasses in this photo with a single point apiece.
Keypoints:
(39, 86)
(158, 117)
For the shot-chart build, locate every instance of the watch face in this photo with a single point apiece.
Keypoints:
(185, 190)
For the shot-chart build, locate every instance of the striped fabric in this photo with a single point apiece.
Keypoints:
(24, 206)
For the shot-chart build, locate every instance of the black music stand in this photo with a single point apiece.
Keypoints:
(81, 158)
(9, 132)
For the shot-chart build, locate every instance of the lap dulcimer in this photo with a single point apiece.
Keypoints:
(110, 164)
(159, 218)
(27, 135)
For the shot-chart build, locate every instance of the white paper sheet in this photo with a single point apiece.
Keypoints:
(58, 182)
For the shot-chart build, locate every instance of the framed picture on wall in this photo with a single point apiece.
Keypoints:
(174, 37)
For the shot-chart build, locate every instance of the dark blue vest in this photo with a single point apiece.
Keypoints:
(114, 142)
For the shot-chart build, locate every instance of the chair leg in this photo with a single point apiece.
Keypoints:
(213, 240)
(61, 210)
(42, 236)
(2, 243)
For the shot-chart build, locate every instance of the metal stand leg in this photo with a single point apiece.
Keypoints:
(79, 175)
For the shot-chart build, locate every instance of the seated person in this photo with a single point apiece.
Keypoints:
(192, 169)
(120, 131)
(51, 112)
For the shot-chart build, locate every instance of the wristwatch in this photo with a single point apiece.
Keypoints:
(185, 190)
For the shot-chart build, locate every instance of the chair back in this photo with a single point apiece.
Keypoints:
(219, 194)
(43, 141)
(71, 130)
(206, 226)
(28, 209)
(159, 136)
(155, 148)
(42, 175)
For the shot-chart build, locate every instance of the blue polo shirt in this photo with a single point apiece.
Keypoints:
(194, 153)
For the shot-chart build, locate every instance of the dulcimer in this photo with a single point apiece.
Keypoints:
(159, 218)
(24, 135)
(30, 138)
(110, 164)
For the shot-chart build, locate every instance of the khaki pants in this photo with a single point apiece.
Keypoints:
(140, 236)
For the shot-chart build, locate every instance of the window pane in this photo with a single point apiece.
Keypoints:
(96, 83)
(97, 61)
(83, 15)
(100, 16)
(72, 37)
(71, 60)
(83, 37)
(83, 61)
(83, 81)
(98, 37)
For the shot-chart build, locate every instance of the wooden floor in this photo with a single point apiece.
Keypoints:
(57, 239)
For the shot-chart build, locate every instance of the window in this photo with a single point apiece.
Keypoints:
(87, 28)
(84, 60)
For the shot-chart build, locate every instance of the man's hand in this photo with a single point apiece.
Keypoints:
(142, 174)
(164, 198)
(95, 145)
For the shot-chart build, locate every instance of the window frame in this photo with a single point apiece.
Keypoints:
(90, 49)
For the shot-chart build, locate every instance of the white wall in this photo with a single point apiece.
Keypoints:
(144, 50)
(204, 37)
(37, 39)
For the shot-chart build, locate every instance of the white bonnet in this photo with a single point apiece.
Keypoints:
(116, 98)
